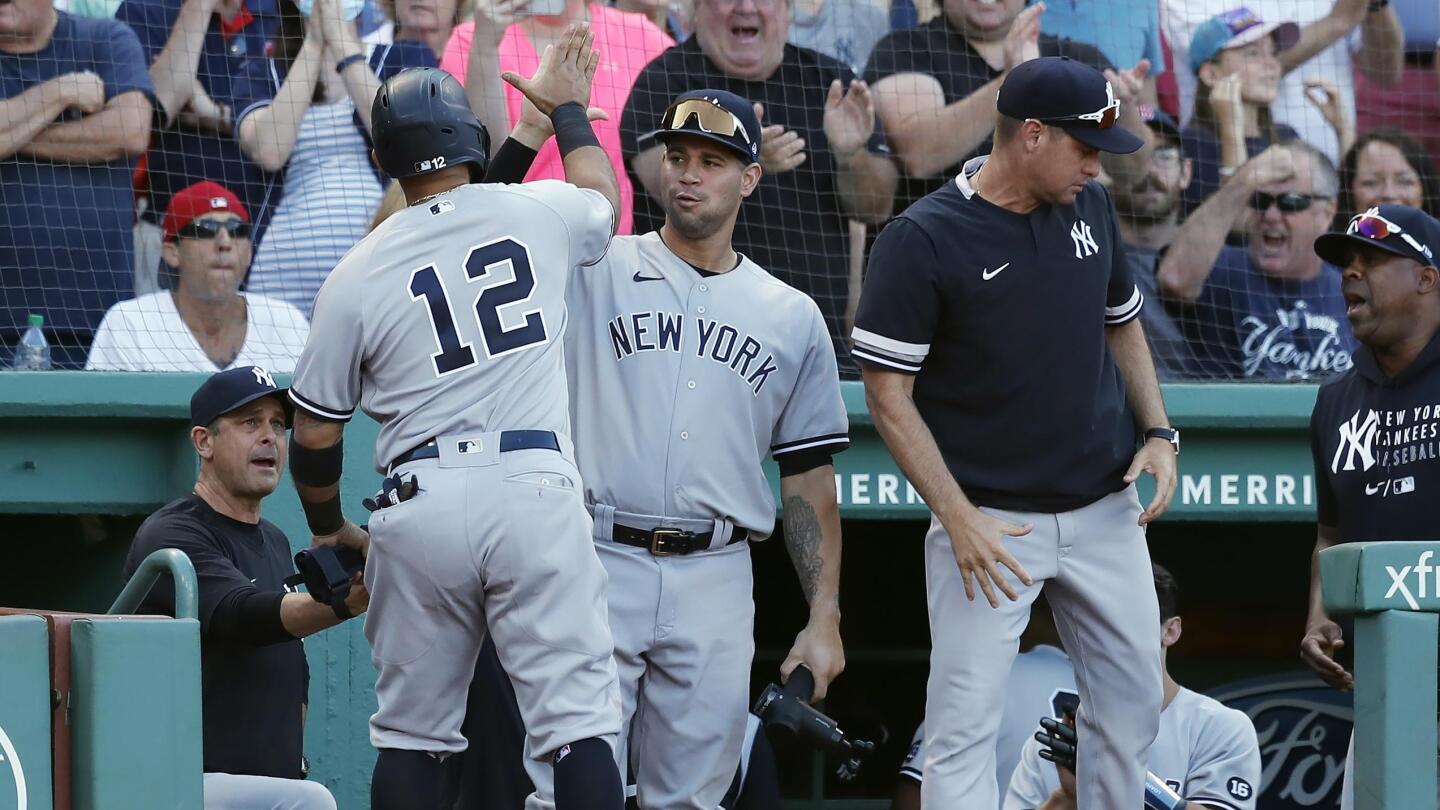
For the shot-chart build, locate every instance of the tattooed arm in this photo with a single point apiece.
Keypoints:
(812, 536)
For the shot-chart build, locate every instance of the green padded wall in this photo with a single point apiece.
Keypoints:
(135, 714)
(24, 713)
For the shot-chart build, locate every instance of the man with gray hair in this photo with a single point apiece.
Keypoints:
(1271, 309)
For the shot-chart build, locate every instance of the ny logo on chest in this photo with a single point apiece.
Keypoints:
(721, 343)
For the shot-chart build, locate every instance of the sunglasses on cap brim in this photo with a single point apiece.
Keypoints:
(1103, 118)
(1289, 202)
(210, 228)
(1373, 226)
(710, 117)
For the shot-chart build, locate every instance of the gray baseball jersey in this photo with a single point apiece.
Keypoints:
(447, 323)
(449, 316)
(1205, 751)
(683, 383)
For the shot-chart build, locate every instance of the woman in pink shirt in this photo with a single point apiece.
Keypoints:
(504, 37)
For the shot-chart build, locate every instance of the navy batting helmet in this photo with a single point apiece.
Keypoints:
(421, 122)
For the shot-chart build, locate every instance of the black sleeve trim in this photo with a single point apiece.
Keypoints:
(320, 411)
(250, 616)
(912, 774)
(803, 461)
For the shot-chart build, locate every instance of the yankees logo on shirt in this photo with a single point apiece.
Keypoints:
(1377, 441)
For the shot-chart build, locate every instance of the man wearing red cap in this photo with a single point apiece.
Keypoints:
(203, 322)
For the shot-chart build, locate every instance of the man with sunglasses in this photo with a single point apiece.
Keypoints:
(688, 364)
(203, 322)
(1007, 370)
(1375, 431)
(1271, 309)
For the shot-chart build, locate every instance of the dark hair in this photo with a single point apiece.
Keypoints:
(1415, 155)
(1166, 591)
(1205, 111)
(1006, 128)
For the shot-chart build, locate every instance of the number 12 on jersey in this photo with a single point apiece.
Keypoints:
(455, 354)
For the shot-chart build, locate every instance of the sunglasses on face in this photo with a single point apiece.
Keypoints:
(1289, 202)
(1373, 226)
(210, 228)
(709, 116)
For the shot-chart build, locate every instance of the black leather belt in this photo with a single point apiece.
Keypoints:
(509, 440)
(668, 542)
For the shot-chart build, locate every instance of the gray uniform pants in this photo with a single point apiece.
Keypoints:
(684, 641)
(1095, 568)
(229, 791)
(500, 543)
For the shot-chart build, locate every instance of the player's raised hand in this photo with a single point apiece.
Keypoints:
(818, 647)
(780, 149)
(849, 119)
(978, 543)
(1322, 639)
(1156, 457)
(565, 74)
(534, 128)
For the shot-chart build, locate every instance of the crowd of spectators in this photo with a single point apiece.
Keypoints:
(179, 176)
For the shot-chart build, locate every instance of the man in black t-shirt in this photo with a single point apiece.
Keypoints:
(1375, 432)
(254, 679)
(1008, 374)
(822, 152)
(935, 86)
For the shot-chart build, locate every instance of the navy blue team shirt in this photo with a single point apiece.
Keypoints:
(1246, 324)
(66, 242)
(1002, 318)
(1376, 444)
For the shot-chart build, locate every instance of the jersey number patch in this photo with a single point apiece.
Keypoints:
(454, 354)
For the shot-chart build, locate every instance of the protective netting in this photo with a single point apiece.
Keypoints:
(1306, 112)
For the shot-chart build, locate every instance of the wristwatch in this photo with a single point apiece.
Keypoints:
(1170, 435)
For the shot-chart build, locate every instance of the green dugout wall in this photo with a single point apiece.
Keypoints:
(83, 457)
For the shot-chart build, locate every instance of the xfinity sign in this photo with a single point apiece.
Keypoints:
(1423, 576)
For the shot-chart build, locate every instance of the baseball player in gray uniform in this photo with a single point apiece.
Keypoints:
(445, 325)
(1206, 756)
(688, 364)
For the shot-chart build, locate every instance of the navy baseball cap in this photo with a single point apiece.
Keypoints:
(1397, 229)
(233, 388)
(1058, 91)
(716, 115)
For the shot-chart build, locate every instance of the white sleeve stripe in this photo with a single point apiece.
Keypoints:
(882, 360)
(912, 774)
(1127, 315)
(843, 441)
(1133, 303)
(320, 411)
(1212, 802)
(891, 345)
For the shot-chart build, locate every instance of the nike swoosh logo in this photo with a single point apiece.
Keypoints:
(638, 277)
(1371, 489)
(988, 274)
